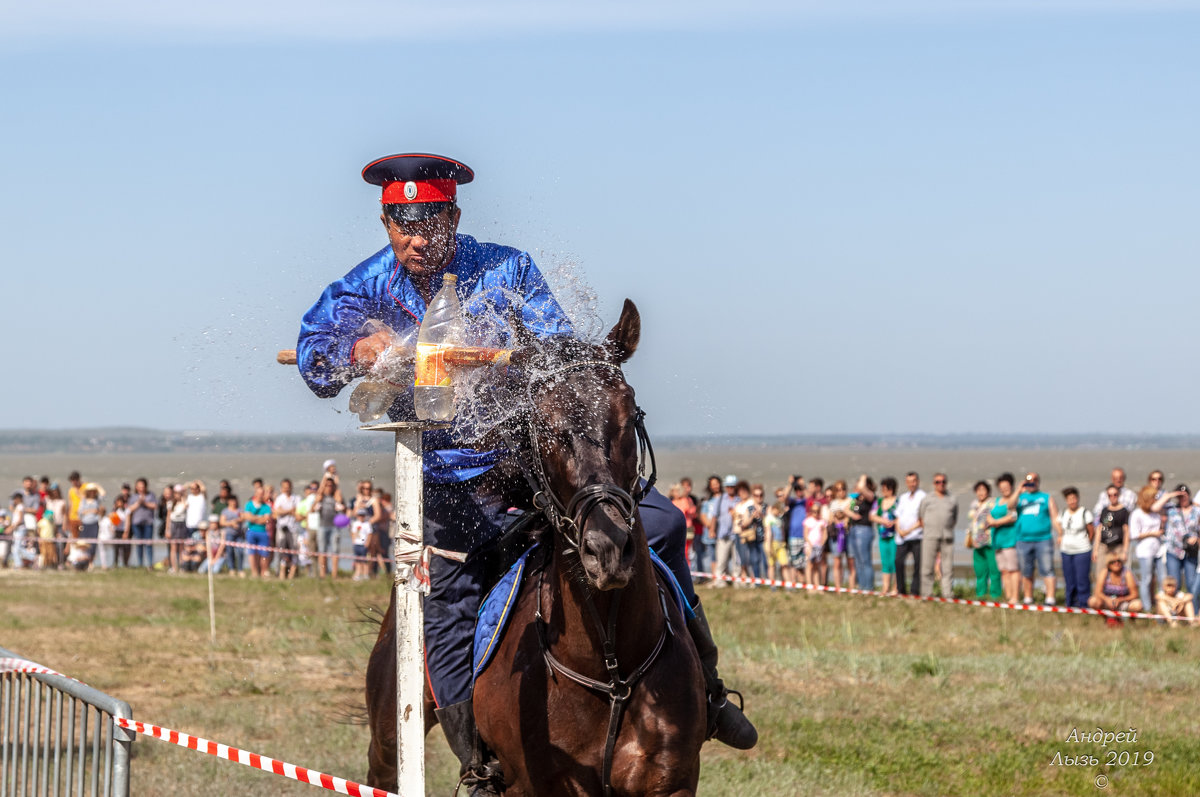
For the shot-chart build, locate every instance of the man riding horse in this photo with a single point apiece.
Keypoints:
(337, 344)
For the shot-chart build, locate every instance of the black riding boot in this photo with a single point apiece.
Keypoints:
(726, 722)
(480, 775)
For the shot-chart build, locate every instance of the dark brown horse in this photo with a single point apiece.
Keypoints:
(595, 686)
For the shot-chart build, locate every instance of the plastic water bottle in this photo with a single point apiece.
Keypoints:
(441, 329)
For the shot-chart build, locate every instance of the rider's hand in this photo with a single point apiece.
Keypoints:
(367, 350)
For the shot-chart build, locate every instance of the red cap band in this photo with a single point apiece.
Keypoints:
(412, 192)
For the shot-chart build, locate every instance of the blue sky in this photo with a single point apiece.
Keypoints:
(834, 217)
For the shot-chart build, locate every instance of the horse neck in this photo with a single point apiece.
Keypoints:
(574, 637)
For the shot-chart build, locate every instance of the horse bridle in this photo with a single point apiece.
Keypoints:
(569, 519)
(568, 522)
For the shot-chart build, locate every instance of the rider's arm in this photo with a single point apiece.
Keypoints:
(335, 323)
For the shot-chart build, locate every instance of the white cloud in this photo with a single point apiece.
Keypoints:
(31, 22)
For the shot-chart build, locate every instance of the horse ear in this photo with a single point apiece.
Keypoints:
(622, 340)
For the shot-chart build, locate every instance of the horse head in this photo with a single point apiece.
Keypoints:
(584, 428)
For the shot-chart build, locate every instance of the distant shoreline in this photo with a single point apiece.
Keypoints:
(132, 440)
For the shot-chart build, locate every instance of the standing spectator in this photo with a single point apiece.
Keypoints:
(1075, 543)
(1112, 535)
(361, 498)
(48, 551)
(1037, 520)
(56, 504)
(684, 503)
(979, 540)
(1125, 496)
(329, 504)
(778, 560)
(908, 533)
(360, 533)
(230, 524)
(284, 511)
(90, 512)
(696, 527)
(1182, 539)
(109, 523)
(380, 544)
(706, 541)
(938, 515)
(723, 507)
(1115, 589)
(254, 515)
(31, 498)
(178, 532)
(310, 522)
(1003, 522)
(794, 520)
(74, 497)
(221, 499)
(5, 531)
(861, 535)
(1145, 530)
(752, 529)
(883, 515)
(141, 521)
(815, 537)
(162, 515)
(839, 534)
(196, 511)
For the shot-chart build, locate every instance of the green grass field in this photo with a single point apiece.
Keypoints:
(852, 695)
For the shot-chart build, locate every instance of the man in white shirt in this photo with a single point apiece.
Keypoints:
(908, 533)
(197, 508)
(1128, 497)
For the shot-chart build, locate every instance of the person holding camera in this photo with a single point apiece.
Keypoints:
(1037, 520)
(1182, 539)
(748, 521)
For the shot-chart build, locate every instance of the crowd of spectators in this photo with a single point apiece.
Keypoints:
(811, 533)
(815, 533)
(274, 532)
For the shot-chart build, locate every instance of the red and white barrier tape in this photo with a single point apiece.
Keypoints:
(1024, 607)
(310, 776)
(92, 541)
(254, 760)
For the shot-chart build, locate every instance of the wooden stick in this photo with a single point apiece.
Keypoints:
(459, 355)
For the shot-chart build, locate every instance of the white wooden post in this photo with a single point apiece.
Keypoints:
(409, 512)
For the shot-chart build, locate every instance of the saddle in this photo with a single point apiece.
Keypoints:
(497, 605)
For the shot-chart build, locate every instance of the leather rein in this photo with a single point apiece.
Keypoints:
(568, 521)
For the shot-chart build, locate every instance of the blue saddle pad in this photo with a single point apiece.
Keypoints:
(497, 606)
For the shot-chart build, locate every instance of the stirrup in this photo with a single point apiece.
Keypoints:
(715, 709)
(485, 779)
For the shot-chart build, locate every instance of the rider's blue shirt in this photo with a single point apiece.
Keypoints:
(490, 277)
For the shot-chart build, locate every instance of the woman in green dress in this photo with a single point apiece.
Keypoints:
(979, 540)
(883, 515)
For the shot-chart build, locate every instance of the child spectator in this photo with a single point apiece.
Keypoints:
(230, 522)
(49, 551)
(814, 548)
(215, 550)
(360, 532)
(1174, 604)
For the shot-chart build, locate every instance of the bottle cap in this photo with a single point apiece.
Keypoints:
(450, 279)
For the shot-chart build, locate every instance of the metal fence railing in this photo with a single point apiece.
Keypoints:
(57, 737)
